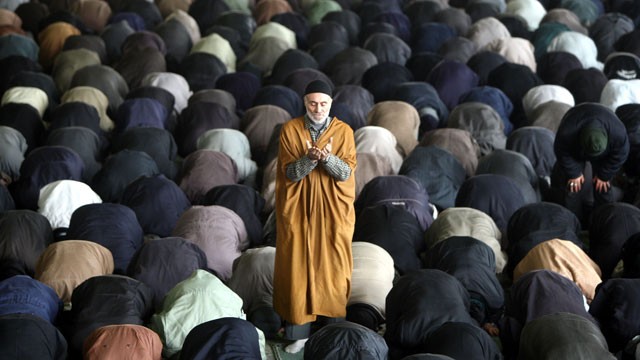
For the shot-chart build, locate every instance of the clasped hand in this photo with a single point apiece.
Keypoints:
(315, 153)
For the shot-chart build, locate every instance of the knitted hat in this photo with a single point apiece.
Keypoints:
(593, 140)
(318, 86)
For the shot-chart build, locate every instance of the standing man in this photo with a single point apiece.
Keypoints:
(315, 217)
(589, 132)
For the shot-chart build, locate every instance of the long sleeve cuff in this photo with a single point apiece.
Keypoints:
(300, 168)
(336, 167)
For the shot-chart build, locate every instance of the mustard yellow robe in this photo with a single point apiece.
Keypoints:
(315, 221)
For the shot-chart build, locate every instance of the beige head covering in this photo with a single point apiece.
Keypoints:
(399, 117)
(459, 142)
(258, 123)
(567, 17)
(372, 277)
(93, 97)
(371, 165)
(516, 50)
(66, 264)
(189, 23)
(487, 30)
(93, 13)
(167, 7)
(268, 190)
(380, 141)
(565, 258)
(8, 17)
(464, 221)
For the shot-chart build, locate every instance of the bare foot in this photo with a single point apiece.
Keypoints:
(295, 346)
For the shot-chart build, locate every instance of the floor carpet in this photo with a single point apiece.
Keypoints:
(276, 351)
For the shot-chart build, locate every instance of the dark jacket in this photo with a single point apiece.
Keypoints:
(567, 144)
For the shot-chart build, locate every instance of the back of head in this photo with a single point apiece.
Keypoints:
(593, 139)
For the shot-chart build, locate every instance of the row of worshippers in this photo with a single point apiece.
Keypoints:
(168, 297)
(186, 101)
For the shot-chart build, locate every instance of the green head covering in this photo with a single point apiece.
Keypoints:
(319, 9)
(593, 140)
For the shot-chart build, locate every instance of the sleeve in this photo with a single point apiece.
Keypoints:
(300, 168)
(337, 168)
(564, 147)
(616, 155)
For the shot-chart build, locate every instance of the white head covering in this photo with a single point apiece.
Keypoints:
(540, 94)
(373, 273)
(59, 199)
(618, 92)
(530, 10)
(580, 45)
(33, 96)
(174, 83)
(380, 141)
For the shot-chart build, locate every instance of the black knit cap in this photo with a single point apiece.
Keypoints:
(318, 86)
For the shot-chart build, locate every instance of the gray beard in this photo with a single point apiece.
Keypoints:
(317, 124)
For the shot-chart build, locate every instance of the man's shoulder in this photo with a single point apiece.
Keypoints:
(294, 124)
(341, 125)
(294, 121)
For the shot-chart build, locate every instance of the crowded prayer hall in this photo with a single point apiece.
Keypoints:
(320, 179)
